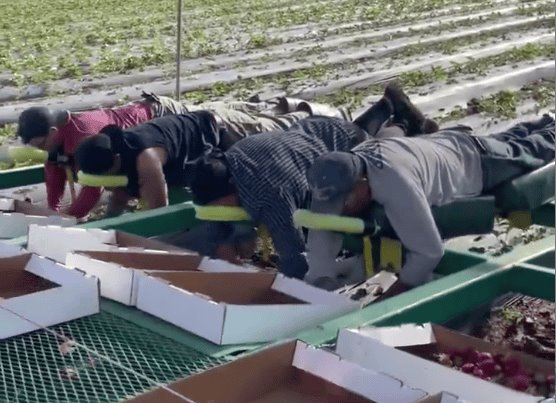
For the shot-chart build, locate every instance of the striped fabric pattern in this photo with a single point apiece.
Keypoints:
(269, 171)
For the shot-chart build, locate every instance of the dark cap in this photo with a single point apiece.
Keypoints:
(331, 178)
(210, 178)
(94, 155)
(35, 122)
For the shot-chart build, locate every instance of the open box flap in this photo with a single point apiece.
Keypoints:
(401, 336)
(56, 272)
(356, 346)
(376, 386)
(308, 293)
(55, 242)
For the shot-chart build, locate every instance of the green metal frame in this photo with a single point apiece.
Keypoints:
(21, 176)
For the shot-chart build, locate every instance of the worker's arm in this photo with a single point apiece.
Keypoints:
(411, 217)
(288, 240)
(55, 180)
(152, 183)
(87, 199)
(117, 203)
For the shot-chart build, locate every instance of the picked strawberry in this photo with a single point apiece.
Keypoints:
(471, 355)
(479, 373)
(489, 367)
(519, 382)
(468, 368)
(484, 357)
(511, 366)
(457, 359)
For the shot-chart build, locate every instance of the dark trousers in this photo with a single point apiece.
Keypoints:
(521, 149)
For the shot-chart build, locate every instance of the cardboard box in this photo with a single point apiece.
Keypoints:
(230, 308)
(7, 250)
(56, 242)
(443, 397)
(36, 292)
(17, 215)
(117, 269)
(291, 372)
(381, 349)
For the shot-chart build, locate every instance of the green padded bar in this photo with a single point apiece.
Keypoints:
(527, 192)
(461, 217)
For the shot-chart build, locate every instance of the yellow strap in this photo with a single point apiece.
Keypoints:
(109, 181)
(266, 241)
(390, 253)
(328, 222)
(368, 256)
(221, 213)
(520, 219)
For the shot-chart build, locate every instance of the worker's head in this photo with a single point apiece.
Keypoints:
(96, 154)
(38, 126)
(339, 185)
(211, 181)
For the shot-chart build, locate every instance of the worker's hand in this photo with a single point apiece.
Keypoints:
(58, 157)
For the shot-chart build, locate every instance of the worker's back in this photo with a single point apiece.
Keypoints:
(445, 165)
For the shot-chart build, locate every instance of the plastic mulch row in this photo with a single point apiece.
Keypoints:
(34, 369)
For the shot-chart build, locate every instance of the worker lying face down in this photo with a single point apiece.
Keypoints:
(153, 155)
(60, 131)
(409, 175)
(266, 175)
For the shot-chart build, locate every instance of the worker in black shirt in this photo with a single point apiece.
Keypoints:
(152, 156)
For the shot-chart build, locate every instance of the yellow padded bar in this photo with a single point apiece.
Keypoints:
(108, 181)
(390, 253)
(328, 222)
(520, 219)
(221, 213)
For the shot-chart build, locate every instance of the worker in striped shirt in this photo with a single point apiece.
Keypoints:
(266, 174)
(61, 131)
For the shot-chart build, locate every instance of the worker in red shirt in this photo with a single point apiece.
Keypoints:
(60, 131)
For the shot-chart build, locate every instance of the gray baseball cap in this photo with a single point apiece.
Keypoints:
(332, 178)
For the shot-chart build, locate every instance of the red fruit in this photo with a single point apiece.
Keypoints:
(485, 357)
(499, 358)
(468, 368)
(478, 373)
(519, 382)
(471, 355)
(488, 367)
(511, 367)
(550, 379)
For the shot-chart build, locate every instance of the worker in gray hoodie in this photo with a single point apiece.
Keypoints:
(409, 175)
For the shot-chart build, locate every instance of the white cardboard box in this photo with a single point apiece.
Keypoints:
(117, 269)
(290, 372)
(374, 348)
(16, 216)
(442, 397)
(230, 308)
(7, 250)
(56, 242)
(36, 292)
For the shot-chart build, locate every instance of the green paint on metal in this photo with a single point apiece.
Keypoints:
(452, 262)
(172, 332)
(532, 280)
(544, 215)
(151, 222)
(33, 369)
(21, 176)
(546, 259)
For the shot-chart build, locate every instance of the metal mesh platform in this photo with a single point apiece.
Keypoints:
(33, 368)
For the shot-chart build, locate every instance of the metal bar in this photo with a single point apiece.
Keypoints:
(178, 50)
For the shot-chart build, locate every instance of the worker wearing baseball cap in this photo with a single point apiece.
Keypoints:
(409, 175)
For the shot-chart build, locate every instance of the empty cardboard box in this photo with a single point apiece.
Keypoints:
(291, 372)
(56, 242)
(230, 308)
(36, 292)
(377, 348)
(117, 269)
(17, 215)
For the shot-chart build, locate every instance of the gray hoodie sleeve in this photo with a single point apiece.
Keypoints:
(411, 217)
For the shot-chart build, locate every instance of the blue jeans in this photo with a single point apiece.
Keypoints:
(521, 149)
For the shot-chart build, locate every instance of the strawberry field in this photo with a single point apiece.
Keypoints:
(480, 62)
